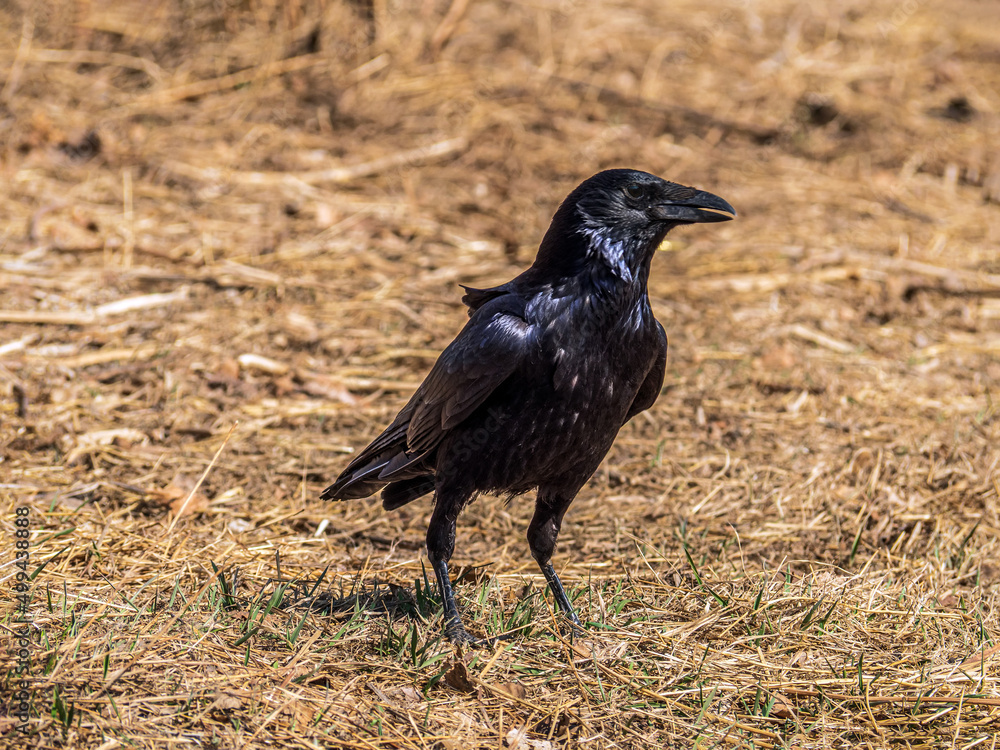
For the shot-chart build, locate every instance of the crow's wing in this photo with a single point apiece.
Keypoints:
(476, 298)
(649, 391)
(488, 350)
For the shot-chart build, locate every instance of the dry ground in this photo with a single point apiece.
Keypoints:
(230, 242)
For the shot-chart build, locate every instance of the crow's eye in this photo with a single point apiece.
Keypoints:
(635, 191)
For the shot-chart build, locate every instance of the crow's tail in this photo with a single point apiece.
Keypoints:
(404, 477)
(397, 494)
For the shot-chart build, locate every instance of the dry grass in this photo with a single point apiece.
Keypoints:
(230, 244)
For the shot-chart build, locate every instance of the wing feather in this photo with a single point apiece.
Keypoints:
(482, 357)
(488, 351)
(649, 391)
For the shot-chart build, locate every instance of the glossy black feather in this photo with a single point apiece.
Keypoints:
(533, 391)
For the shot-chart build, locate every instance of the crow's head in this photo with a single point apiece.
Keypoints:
(619, 217)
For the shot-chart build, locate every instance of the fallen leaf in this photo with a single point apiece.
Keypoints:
(948, 601)
(91, 441)
(225, 702)
(174, 496)
(513, 689)
(229, 368)
(779, 358)
(472, 573)
(458, 678)
(284, 385)
(782, 708)
(323, 386)
(408, 693)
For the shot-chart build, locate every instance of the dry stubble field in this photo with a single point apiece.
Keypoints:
(231, 238)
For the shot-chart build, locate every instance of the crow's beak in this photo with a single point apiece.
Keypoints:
(700, 208)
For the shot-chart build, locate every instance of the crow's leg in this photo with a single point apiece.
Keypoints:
(440, 546)
(550, 507)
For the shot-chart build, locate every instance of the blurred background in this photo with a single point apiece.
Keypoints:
(231, 238)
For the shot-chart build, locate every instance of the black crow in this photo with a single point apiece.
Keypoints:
(533, 391)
